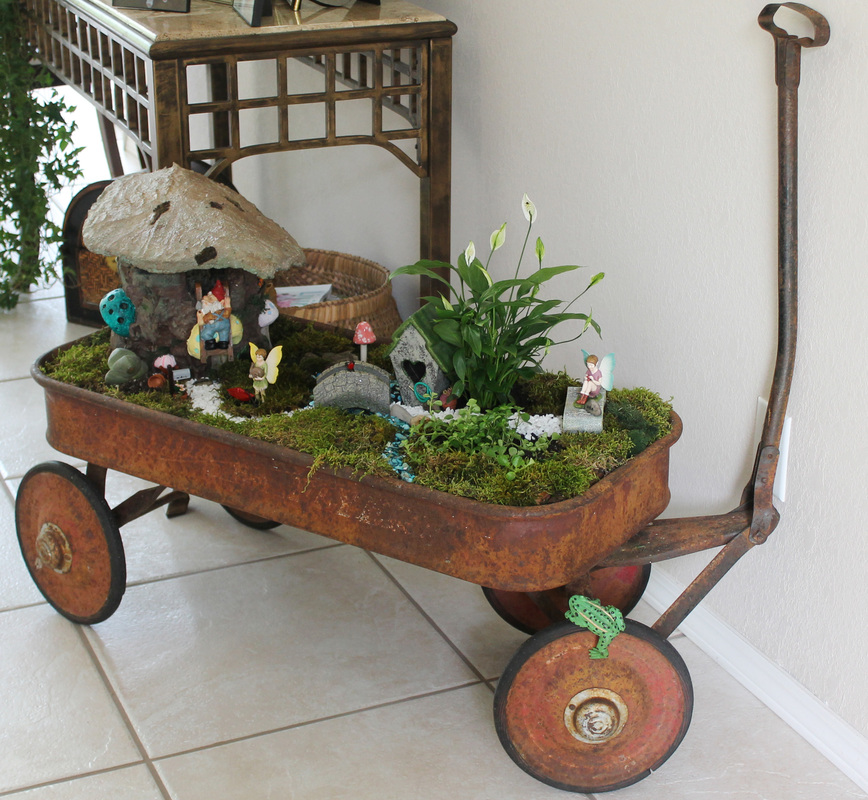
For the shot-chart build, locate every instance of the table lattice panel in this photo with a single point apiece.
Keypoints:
(106, 70)
(305, 102)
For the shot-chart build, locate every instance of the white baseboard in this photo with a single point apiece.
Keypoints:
(795, 705)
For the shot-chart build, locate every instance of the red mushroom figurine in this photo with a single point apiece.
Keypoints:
(364, 336)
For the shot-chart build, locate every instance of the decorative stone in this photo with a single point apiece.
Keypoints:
(124, 366)
(364, 386)
(174, 220)
(581, 420)
(118, 311)
(402, 413)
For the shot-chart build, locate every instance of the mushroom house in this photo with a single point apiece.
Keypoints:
(193, 257)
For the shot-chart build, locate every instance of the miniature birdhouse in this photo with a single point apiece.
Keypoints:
(417, 359)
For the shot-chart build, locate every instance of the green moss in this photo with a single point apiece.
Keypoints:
(334, 437)
(641, 413)
(84, 364)
(544, 393)
(452, 461)
(572, 463)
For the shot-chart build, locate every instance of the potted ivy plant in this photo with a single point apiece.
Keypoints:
(37, 159)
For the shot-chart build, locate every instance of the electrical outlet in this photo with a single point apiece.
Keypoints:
(780, 487)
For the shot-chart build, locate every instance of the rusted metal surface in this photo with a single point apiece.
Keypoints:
(522, 549)
(147, 500)
(593, 725)
(69, 542)
(620, 586)
(53, 550)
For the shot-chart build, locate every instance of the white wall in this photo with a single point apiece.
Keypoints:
(645, 132)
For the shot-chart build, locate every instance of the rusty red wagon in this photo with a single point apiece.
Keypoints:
(572, 721)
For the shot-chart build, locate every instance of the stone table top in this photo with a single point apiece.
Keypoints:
(208, 19)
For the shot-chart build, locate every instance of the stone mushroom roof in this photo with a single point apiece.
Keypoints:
(175, 220)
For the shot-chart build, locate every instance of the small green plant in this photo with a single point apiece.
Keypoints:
(497, 331)
(492, 434)
(36, 159)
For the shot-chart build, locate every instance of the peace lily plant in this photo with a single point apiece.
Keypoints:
(497, 331)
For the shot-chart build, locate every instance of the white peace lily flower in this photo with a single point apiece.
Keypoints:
(484, 271)
(470, 253)
(528, 208)
(498, 237)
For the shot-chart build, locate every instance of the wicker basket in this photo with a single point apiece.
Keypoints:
(364, 288)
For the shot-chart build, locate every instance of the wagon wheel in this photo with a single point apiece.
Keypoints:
(251, 520)
(593, 725)
(70, 542)
(621, 587)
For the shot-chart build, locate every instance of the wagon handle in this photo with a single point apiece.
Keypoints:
(757, 498)
(820, 23)
(788, 49)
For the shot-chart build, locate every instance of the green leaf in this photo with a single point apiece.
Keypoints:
(547, 273)
(473, 337)
(475, 276)
(449, 331)
(459, 365)
(540, 250)
(425, 268)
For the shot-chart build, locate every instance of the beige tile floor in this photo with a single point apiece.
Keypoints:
(247, 665)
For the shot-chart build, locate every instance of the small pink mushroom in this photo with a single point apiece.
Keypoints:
(364, 336)
(166, 365)
(165, 362)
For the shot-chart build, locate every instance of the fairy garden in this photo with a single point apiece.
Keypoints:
(456, 399)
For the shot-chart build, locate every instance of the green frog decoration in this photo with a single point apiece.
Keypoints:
(605, 621)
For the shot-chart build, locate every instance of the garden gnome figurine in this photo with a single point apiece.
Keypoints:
(214, 319)
(364, 336)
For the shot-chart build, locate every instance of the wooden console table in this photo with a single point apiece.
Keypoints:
(145, 72)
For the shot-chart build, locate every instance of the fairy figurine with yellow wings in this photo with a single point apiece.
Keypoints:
(263, 371)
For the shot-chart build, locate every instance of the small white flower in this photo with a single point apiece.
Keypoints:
(528, 208)
(470, 253)
(498, 237)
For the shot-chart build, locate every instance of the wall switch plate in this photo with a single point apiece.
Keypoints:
(780, 488)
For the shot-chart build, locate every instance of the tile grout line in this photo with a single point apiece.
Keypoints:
(68, 779)
(305, 723)
(220, 567)
(146, 759)
(470, 665)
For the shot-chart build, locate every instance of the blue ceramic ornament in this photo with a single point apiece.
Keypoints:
(118, 311)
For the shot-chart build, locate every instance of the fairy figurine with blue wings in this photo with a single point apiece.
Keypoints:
(264, 368)
(599, 375)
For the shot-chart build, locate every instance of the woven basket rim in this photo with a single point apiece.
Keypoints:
(356, 297)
